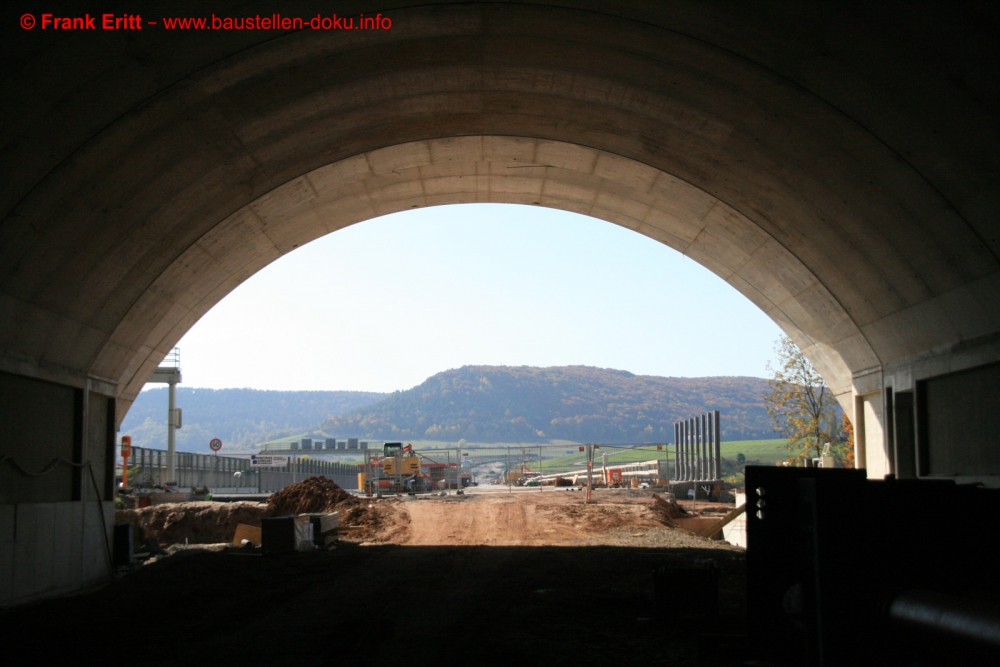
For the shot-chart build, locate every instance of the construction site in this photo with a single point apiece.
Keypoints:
(835, 164)
(492, 572)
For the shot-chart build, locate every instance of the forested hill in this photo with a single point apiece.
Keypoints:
(240, 417)
(580, 403)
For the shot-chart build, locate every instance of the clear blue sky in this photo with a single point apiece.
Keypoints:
(386, 303)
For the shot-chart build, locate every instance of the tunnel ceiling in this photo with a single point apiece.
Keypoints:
(837, 166)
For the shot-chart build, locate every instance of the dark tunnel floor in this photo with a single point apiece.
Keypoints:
(391, 604)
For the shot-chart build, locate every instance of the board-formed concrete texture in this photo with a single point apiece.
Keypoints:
(837, 165)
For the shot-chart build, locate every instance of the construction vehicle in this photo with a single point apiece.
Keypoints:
(396, 470)
(398, 459)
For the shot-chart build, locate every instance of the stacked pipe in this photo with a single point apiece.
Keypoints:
(698, 448)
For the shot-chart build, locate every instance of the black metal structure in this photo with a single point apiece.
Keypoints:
(842, 570)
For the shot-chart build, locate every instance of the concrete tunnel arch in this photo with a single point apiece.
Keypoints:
(850, 195)
(495, 170)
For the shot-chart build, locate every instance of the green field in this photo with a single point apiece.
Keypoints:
(767, 452)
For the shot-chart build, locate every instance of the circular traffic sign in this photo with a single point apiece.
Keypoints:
(216, 444)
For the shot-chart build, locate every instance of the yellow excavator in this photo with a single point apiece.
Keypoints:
(394, 453)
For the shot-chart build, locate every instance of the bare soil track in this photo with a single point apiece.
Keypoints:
(493, 579)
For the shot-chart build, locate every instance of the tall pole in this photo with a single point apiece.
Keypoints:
(718, 448)
(683, 441)
(686, 438)
(684, 470)
(695, 427)
(171, 425)
(704, 448)
(590, 467)
(677, 453)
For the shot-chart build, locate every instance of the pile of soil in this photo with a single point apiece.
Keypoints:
(378, 521)
(191, 522)
(313, 494)
(597, 518)
(212, 523)
(667, 511)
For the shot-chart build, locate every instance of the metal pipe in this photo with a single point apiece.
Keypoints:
(684, 440)
(677, 454)
(718, 447)
(698, 463)
(701, 447)
(687, 449)
(706, 438)
(947, 614)
(692, 467)
(171, 424)
(683, 444)
(694, 449)
(706, 472)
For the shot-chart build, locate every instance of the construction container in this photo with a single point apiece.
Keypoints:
(285, 534)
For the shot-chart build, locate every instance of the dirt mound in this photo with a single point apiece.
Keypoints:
(378, 521)
(195, 522)
(667, 511)
(313, 494)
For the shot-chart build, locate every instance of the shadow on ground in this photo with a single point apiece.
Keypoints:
(385, 604)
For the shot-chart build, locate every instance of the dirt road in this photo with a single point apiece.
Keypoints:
(555, 518)
(484, 578)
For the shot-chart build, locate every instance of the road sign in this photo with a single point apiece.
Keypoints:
(126, 446)
(216, 444)
(268, 460)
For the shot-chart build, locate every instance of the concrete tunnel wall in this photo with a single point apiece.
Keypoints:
(836, 165)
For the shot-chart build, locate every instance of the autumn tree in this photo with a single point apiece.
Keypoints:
(847, 451)
(800, 404)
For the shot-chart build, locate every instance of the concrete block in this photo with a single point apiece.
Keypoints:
(33, 559)
(67, 572)
(97, 535)
(736, 531)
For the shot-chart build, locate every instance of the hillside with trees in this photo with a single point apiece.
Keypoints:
(240, 417)
(579, 403)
